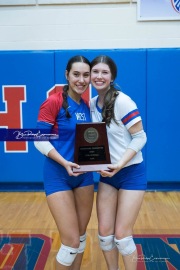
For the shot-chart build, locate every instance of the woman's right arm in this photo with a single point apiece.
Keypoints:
(46, 120)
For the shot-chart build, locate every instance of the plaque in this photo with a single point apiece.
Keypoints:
(91, 147)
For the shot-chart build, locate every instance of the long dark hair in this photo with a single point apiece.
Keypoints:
(74, 59)
(112, 93)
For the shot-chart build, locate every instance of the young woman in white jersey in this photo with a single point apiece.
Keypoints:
(121, 190)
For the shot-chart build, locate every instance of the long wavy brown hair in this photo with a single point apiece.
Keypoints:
(112, 93)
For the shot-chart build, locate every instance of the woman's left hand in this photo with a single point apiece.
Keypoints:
(114, 168)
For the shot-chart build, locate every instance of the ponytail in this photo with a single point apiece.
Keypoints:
(65, 104)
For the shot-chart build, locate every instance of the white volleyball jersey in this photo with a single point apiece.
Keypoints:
(126, 114)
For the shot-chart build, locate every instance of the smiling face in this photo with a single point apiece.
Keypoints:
(78, 78)
(101, 77)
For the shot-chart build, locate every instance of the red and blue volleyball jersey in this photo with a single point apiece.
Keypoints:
(52, 116)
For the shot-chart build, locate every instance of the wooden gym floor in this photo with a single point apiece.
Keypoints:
(27, 213)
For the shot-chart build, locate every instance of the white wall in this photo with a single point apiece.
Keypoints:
(87, 26)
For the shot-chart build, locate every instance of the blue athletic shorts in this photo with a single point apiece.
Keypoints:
(57, 179)
(132, 177)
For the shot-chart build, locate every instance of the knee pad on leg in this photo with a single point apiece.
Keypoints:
(106, 242)
(126, 246)
(82, 243)
(66, 255)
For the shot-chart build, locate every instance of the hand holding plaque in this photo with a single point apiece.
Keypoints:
(91, 147)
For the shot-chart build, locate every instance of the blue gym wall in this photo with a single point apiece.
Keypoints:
(149, 76)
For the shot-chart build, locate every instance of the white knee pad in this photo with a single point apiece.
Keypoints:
(106, 242)
(126, 246)
(66, 255)
(82, 243)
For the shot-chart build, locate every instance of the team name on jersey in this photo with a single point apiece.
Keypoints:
(81, 116)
